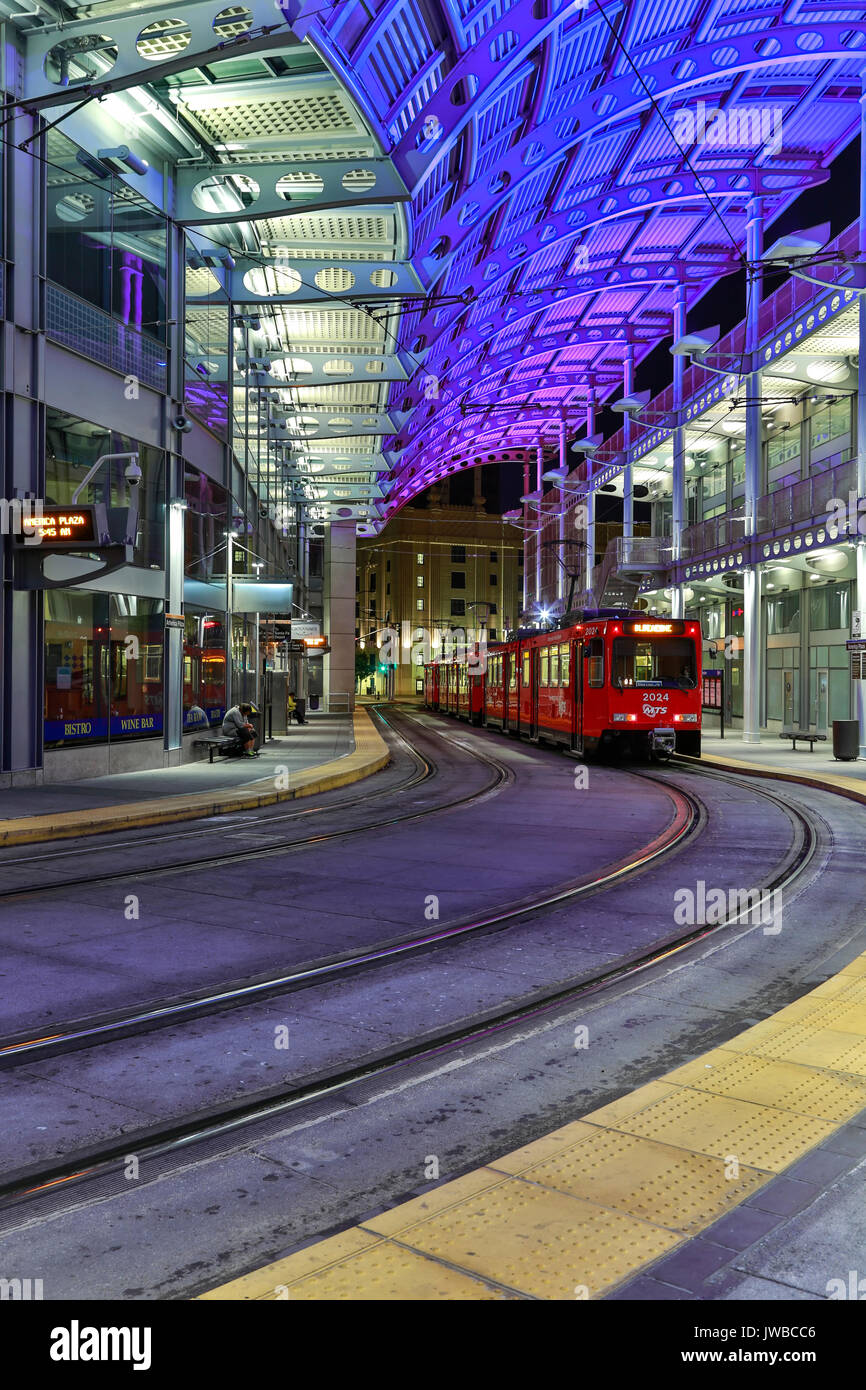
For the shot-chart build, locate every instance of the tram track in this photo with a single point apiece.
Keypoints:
(502, 775)
(162, 1142)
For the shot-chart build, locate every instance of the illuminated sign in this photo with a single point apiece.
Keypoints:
(645, 628)
(62, 526)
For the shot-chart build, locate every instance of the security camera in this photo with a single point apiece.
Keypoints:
(182, 424)
(132, 474)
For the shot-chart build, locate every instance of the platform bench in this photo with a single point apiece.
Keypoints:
(214, 745)
(803, 736)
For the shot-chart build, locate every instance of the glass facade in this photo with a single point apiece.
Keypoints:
(105, 243)
(103, 667)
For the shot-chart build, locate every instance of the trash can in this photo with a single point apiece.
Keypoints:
(846, 740)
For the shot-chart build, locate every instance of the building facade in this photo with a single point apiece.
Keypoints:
(434, 570)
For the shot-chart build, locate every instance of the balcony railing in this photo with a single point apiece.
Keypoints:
(809, 500)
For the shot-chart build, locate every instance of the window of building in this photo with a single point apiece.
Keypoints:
(103, 668)
(494, 580)
(387, 566)
(372, 608)
(458, 554)
(783, 614)
(828, 607)
(492, 608)
(419, 558)
(492, 635)
(387, 589)
(458, 607)
(830, 421)
(494, 557)
(419, 604)
(419, 685)
(419, 580)
(357, 583)
(372, 583)
(458, 579)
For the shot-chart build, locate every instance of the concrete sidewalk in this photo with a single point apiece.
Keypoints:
(331, 751)
(775, 757)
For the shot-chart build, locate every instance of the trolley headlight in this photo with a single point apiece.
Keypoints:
(625, 719)
(685, 719)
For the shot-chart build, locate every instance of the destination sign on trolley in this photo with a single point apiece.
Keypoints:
(646, 627)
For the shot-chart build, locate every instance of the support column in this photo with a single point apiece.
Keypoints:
(627, 472)
(752, 582)
(560, 550)
(679, 472)
(539, 469)
(22, 452)
(526, 553)
(175, 528)
(589, 557)
(339, 611)
(860, 548)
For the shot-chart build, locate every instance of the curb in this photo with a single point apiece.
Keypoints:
(370, 755)
(832, 782)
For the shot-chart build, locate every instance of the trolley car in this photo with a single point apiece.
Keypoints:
(613, 682)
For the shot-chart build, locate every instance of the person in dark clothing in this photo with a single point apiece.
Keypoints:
(236, 724)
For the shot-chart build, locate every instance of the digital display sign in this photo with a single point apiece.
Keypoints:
(61, 527)
(647, 628)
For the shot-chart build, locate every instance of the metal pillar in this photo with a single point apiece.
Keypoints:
(560, 550)
(627, 473)
(228, 632)
(589, 558)
(539, 469)
(678, 511)
(22, 446)
(526, 556)
(860, 548)
(752, 581)
(175, 530)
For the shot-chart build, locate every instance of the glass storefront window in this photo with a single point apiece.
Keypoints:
(103, 667)
(203, 669)
(830, 422)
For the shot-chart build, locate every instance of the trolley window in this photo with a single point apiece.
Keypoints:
(545, 668)
(525, 669)
(595, 655)
(512, 672)
(554, 666)
(665, 661)
(564, 664)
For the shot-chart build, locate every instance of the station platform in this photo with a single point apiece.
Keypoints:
(774, 757)
(731, 1177)
(328, 751)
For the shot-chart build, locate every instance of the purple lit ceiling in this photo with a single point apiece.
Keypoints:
(570, 164)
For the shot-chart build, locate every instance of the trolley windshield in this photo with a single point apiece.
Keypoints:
(660, 661)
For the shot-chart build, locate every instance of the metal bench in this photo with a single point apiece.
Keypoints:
(215, 745)
(803, 736)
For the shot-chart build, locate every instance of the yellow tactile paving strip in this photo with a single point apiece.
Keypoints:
(576, 1213)
(370, 754)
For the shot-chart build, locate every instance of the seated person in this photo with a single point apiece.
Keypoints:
(236, 724)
